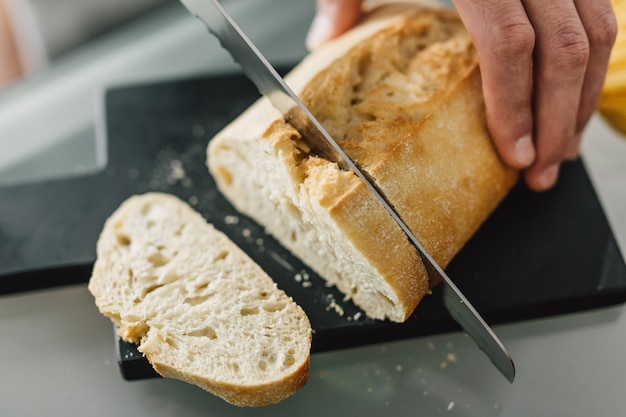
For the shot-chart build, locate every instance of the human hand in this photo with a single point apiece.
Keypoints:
(542, 63)
(10, 68)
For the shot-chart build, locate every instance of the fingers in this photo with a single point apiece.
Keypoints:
(543, 65)
(505, 39)
(600, 24)
(332, 19)
(561, 57)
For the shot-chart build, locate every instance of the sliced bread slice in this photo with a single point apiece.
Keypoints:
(200, 309)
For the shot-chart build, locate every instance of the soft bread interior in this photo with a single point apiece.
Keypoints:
(199, 308)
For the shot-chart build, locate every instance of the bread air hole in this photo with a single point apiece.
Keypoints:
(171, 342)
(234, 366)
(268, 358)
(150, 289)
(157, 259)
(221, 256)
(225, 175)
(289, 361)
(385, 298)
(204, 332)
(273, 307)
(249, 311)
(193, 301)
(122, 238)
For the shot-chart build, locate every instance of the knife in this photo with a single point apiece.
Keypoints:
(269, 83)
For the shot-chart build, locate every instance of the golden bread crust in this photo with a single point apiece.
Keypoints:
(401, 93)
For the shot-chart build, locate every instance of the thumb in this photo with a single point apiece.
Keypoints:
(333, 17)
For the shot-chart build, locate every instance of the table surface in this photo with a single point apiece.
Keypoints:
(56, 351)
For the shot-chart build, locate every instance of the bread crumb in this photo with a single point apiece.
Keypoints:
(230, 219)
(443, 365)
(430, 346)
(399, 368)
(450, 405)
(451, 357)
(332, 305)
(193, 200)
(176, 172)
(304, 278)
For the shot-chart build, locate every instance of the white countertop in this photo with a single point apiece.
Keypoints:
(57, 356)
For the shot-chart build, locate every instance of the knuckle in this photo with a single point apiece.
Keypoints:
(603, 29)
(569, 47)
(512, 39)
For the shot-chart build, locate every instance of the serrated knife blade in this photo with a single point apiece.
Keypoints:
(269, 83)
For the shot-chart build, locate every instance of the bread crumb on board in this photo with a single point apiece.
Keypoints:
(231, 219)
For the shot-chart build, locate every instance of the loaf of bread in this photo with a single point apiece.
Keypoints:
(401, 93)
(200, 309)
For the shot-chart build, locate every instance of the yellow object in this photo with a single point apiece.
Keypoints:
(613, 98)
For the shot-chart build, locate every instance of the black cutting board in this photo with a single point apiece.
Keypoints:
(539, 254)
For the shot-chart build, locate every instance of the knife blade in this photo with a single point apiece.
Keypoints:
(269, 83)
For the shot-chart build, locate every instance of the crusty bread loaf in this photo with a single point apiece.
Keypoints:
(200, 309)
(401, 93)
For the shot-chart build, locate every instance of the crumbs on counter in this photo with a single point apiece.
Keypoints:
(260, 244)
(231, 219)
(303, 278)
(176, 173)
(331, 304)
(169, 167)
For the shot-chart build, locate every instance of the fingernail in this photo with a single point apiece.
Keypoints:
(524, 150)
(319, 32)
(548, 177)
